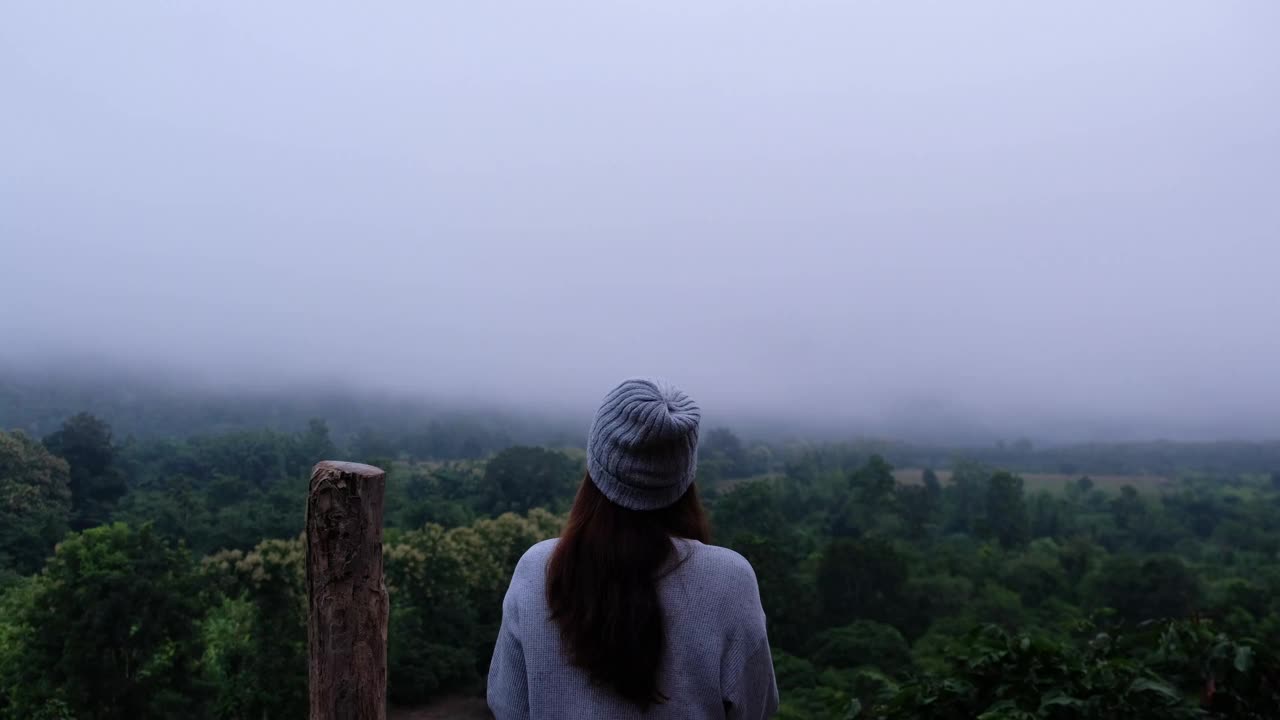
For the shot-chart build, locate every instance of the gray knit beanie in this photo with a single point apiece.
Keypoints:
(643, 448)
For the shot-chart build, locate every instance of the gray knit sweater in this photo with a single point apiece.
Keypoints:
(717, 662)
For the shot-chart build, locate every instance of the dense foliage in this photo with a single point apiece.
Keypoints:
(176, 584)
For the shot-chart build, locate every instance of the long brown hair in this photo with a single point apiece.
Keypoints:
(602, 587)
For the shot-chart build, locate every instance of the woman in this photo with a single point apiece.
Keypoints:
(629, 614)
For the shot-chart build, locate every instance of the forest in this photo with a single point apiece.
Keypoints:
(155, 574)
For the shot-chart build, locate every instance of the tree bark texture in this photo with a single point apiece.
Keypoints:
(347, 604)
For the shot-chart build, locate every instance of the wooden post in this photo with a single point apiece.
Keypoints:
(347, 604)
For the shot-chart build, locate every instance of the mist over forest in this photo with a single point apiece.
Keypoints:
(158, 401)
(846, 220)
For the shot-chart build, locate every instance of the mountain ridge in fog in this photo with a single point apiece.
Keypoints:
(152, 400)
(980, 222)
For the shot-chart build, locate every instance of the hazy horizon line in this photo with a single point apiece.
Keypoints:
(911, 420)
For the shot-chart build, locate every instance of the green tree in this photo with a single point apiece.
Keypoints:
(965, 495)
(931, 484)
(369, 446)
(15, 634)
(521, 478)
(749, 508)
(870, 494)
(1077, 558)
(314, 444)
(721, 455)
(112, 629)
(790, 602)
(434, 626)
(859, 579)
(862, 642)
(917, 506)
(1037, 576)
(927, 599)
(873, 483)
(177, 511)
(1161, 587)
(35, 502)
(1050, 516)
(258, 659)
(1165, 673)
(1006, 516)
(229, 651)
(96, 482)
(1126, 508)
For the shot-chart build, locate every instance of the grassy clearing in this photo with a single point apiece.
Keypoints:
(1055, 482)
(1034, 482)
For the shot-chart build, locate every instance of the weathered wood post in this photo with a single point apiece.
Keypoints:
(347, 604)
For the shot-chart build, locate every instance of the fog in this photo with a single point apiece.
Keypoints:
(1059, 221)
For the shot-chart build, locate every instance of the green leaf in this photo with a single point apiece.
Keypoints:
(1061, 701)
(1244, 658)
(1154, 686)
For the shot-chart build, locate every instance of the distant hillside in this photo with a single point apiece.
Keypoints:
(153, 407)
(150, 406)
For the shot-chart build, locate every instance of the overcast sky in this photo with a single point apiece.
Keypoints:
(1005, 211)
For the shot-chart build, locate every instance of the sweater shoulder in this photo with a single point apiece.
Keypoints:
(525, 593)
(725, 560)
(534, 561)
(734, 575)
